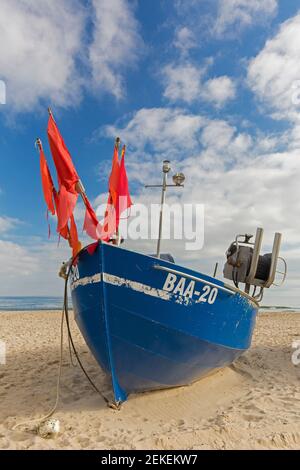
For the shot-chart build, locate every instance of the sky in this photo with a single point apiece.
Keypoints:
(212, 85)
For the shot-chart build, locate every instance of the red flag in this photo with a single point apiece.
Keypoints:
(92, 248)
(73, 237)
(68, 185)
(124, 200)
(114, 176)
(67, 195)
(109, 224)
(65, 205)
(66, 172)
(91, 225)
(47, 182)
(70, 233)
(119, 198)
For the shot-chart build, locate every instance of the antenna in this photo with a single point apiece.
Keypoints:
(178, 180)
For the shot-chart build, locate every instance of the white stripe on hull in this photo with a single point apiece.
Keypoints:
(84, 281)
(120, 281)
(137, 286)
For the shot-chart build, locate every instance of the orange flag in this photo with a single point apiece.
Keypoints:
(119, 197)
(67, 195)
(68, 184)
(65, 205)
(114, 176)
(73, 237)
(109, 224)
(91, 225)
(123, 200)
(47, 182)
(67, 175)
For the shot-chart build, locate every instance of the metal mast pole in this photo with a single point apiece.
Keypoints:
(178, 179)
(163, 198)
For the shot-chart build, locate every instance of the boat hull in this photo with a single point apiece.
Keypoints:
(151, 324)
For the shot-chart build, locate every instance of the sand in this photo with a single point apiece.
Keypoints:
(255, 404)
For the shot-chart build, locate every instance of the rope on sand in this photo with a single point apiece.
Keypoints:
(41, 420)
(53, 427)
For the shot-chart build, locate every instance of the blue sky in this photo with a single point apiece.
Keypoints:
(211, 85)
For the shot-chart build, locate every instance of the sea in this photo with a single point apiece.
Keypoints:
(31, 303)
(56, 303)
(278, 308)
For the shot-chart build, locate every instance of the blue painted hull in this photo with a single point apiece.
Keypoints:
(149, 330)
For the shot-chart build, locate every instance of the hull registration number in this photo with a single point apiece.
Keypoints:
(187, 288)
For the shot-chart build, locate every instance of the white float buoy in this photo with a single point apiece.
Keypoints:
(48, 429)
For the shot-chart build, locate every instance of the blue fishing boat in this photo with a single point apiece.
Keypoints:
(152, 324)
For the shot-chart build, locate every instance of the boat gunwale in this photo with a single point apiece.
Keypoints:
(225, 285)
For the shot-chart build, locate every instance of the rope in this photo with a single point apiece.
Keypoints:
(53, 409)
(65, 315)
(71, 353)
(66, 311)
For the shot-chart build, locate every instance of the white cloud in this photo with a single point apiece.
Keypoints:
(219, 90)
(276, 69)
(224, 18)
(153, 134)
(269, 143)
(31, 268)
(184, 82)
(45, 54)
(161, 128)
(7, 223)
(293, 137)
(235, 15)
(218, 135)
(18, 264)
(116, 44)
(39, 44)
(184, 40)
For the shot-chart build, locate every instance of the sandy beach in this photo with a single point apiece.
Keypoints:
(255, 404)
